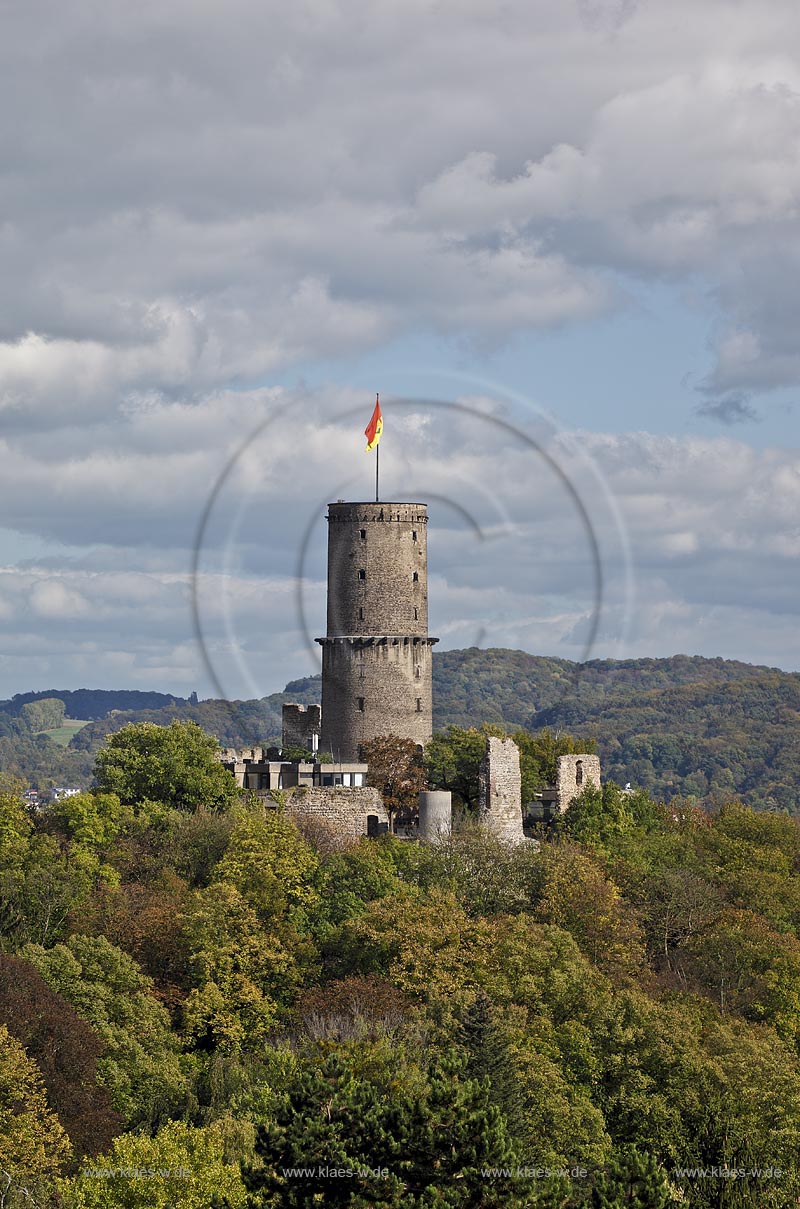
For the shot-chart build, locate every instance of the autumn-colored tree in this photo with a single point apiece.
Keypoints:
(351, 1008)
(396, 768)
(182, 1165)
(578, 896)
(34, 1146)
(66, 1050)
(143, 1068)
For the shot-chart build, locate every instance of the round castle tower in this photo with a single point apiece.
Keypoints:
(376, 657)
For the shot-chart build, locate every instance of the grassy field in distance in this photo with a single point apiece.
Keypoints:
(63, 734)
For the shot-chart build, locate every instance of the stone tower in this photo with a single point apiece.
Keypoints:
(376, 656)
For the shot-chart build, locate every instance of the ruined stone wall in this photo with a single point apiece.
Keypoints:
(500, 790)
(300, 726)
(573, 774)
(373, 687)
(374, 553)
(343, 811)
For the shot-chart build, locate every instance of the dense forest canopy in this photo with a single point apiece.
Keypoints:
(709, 729)
(222, 999)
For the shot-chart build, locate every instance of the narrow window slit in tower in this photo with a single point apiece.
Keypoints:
(419, 705)
(413, 535)
(361, 704)
(418, 672)
(362, 574)
(363, 535)
(415, 577)
(360, 614)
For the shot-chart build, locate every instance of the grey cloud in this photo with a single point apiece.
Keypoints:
(193, 196)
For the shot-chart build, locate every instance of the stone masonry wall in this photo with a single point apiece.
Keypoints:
(372, 687)
(574, 773)
(299, 724)
(344, 810)
(500, 790)
(374, 553)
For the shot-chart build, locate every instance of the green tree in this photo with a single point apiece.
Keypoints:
(92, 819)
(453, 756)
(633, 1179)
(45, 714)
(598, 816)
(396, 768)
(408, 1134)
(452, 760)
(33, 1144)
(175, 765)
(489, 1059)
(182, 1165)
(143, 1069)
(270, 863)
(538, 756)
(242, 970)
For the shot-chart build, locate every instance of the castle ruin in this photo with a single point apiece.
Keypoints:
(377, 681)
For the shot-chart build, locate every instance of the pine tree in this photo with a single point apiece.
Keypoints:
(489, 1059)
(633, 1180)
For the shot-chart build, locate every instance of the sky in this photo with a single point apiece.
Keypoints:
(560, 237)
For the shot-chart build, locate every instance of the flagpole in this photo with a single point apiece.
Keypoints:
(377, 466)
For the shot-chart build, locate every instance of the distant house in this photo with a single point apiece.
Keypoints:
(62, 791)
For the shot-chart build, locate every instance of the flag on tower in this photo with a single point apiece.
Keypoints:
(374, 429)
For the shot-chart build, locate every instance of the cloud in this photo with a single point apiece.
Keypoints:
(711, 524)
(194, 198)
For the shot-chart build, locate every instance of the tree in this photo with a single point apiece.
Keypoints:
(396, 768)
(143, 1069)
(632, 1179)
(489, 1059)
(598, 815)
(240, 969)
(453, 757)
(405, 1133)
(92, 819)
(33, 1144)
(452, 760)
(45, 714)
(182, 1165)
(579, 897)
(538, 756)
(175, 765)
(66, 1050)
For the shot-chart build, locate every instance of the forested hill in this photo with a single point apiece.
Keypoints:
(711, 728)
(94, 702)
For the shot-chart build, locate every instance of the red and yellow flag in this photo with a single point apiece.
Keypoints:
(374, 429)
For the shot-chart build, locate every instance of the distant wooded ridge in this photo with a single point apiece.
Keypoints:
(713, 729)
